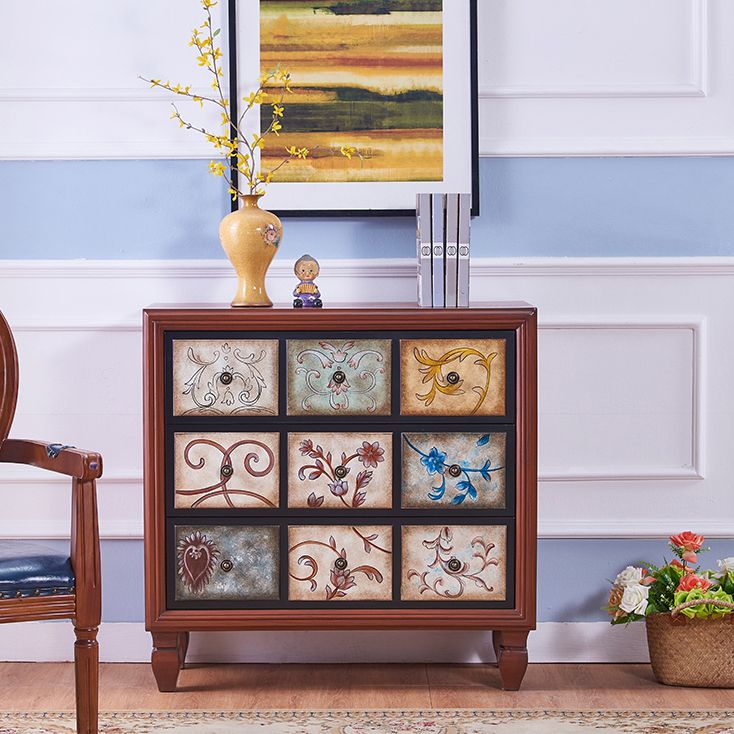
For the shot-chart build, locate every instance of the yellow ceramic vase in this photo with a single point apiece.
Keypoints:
(250, 237)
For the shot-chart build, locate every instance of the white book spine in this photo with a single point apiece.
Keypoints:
(438, 218)
(464, 249)
(423, 244)
(452, 249)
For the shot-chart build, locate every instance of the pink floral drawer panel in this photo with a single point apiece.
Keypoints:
(225, 377)
(340, 470)
(338, 377)
(218, 562)
(332, 563)
(454, 562)
(453, 377)
(454, 470)
(226, 470)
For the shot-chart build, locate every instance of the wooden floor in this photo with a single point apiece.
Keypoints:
(49, 687)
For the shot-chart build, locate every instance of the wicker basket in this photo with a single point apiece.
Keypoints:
(692, 652)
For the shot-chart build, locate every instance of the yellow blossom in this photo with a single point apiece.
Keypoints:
(217, 168)
(275, 127)
(277, 110)
(348, 151)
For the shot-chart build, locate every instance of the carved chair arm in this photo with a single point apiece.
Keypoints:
(84, 465)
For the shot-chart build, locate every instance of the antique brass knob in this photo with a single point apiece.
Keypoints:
(455, 470)
(340, 563)
(339, 377)
(340, 472)
(226, 566)
(226, 378)
(454, 565)
(226, 471)
(453, 378)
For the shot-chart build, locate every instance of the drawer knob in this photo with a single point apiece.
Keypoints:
(226, 471)
(340, 472)
(455, 470)
(226, 378)
(226, 566)
(454, 565)
(339, 377)
(340, 564)
(453, 378)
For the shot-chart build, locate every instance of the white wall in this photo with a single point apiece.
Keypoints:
(636, 398)
(568, 77)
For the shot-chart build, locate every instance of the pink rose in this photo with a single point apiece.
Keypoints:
(690, 581)
(687, 541)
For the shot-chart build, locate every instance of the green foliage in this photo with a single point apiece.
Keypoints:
(662, 591)
(727, 583)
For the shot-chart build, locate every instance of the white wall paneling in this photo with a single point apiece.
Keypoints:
(568, 77)
(636, 399)
(614, 77)
(125, 642)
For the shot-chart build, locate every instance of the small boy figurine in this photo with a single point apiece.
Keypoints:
(306, 294)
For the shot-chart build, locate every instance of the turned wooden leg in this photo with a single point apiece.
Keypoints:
(512, 658)
(86, 671)
(169, 651)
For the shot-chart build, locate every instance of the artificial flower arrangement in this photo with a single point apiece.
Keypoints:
(678, 585)
(234, 144)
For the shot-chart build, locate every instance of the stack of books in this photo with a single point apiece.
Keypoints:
(443, 240)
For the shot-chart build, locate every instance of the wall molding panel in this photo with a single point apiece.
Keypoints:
(625, 342)
(128, 642)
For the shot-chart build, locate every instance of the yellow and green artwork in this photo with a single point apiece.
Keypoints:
(367, 78)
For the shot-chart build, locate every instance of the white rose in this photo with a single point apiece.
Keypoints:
(726, 565)
(629, 576)
(634, 599)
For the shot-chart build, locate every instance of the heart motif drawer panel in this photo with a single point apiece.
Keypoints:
(453, 377)
(213, 377)
(340, 470)
(332, 563)
(339, 377)
(226, 470)
(454, 470)
(454, 562)
(217, 562)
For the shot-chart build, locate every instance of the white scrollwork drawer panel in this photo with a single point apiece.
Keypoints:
(227, 562)
(332, 563)
(340, 471)
(225, 377)
(226, 470)
(339, 377)
(453, 377)
(454, 563)
(462, 471)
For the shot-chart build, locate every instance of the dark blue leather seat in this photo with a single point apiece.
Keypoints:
(30, 569)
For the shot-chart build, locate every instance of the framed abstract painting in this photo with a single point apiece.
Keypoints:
(383, 96)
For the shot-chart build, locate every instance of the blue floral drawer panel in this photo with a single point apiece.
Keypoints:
(227, 562)
(226, 470)
(453, 377)
(454, 563)
(339, 377)
(225, 377)
(332, 563)
(340, 471)
(454, 470)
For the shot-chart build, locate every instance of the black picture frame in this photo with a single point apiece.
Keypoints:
(349, 213)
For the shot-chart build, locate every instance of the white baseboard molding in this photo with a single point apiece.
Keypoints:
(123, 642)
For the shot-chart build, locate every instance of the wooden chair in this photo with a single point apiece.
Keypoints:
(35, 582)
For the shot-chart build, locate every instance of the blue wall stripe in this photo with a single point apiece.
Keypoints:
(572, 574)
(530, 207)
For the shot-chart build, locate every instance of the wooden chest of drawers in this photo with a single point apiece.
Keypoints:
(340, 469)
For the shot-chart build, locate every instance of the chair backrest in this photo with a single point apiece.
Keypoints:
(8, 378)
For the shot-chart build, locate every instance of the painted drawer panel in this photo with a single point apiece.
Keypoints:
(339, 377)
(220, 377)
(454, 470)
(453, 377)
(454, 562)
(219, 562)
(340, 470)
(332, 563)
(226, 470)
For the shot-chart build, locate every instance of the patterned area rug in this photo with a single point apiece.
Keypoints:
(456, 721)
